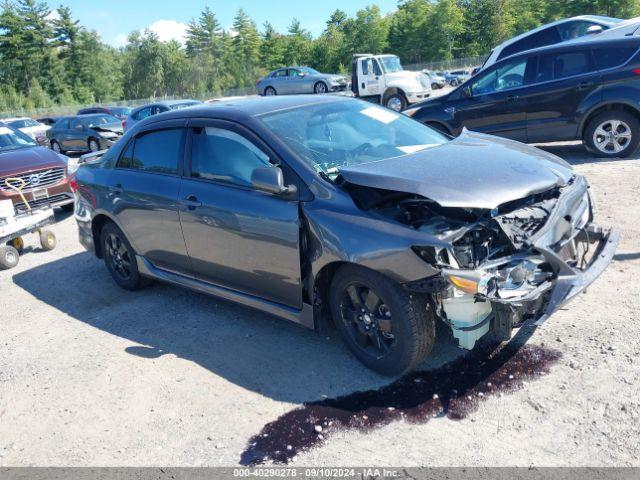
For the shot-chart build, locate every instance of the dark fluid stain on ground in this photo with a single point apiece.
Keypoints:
(452, 391)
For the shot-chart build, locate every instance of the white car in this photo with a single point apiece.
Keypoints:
(552, 33)
(36, 130)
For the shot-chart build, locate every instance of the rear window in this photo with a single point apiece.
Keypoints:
(555, 66)
(609, 57)
(157, 152)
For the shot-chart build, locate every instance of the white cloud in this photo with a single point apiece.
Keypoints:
(120, 40)
(169, 30)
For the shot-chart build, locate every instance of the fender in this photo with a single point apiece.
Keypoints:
(619, 96)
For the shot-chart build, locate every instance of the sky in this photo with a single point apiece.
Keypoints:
(115, 19)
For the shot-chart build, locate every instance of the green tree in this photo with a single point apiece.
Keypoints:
(272, 48)
(246, 48)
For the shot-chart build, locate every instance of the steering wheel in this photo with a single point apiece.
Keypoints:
(362, 149)
(511, 81)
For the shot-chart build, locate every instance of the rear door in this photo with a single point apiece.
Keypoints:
(564, 80)
(144, 190)
(495, 105)
(237, 237)
(279, 81)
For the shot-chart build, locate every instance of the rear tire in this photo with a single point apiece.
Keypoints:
(404, 322)
(9, 257)
(18, 244)
(611, 134)
(120, 258)
(270, 92)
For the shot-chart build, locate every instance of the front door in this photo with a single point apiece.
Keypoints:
(237, 237)
(143, 189)
(495, 105)
(368, 77)
(76, 136)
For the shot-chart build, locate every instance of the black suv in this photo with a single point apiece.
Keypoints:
(587, 90)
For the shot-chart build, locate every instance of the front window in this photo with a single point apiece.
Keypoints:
(225, 156)
(506, 76)
(344, 133)
(23, 123)
(11, 139)
(391, 64)
(309, 71)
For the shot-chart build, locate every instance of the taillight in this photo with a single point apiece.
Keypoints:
(636, 71)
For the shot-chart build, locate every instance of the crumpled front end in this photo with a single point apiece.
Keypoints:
(519, 262)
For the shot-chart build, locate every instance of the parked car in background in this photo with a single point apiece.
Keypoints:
(49, 120)
(140, 113)
(308, 207)
(572, 91)
(456, 77)
(82, 133)
(437, 81)
(41, 173)
(382, 79)
(29, 126)
(118, 112)
(551, 34)
(296, 80)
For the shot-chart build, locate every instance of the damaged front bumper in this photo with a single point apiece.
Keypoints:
(556, 263)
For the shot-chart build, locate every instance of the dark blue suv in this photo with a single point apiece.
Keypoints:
(587, 90)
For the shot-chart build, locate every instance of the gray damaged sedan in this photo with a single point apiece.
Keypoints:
(295, 80)
(310, 207)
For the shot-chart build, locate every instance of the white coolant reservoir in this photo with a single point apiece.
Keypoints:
(463, 312)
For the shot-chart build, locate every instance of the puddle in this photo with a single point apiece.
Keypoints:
(452, 391)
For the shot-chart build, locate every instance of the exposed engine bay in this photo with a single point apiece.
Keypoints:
(499, 266)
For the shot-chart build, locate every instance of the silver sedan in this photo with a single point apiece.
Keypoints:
(293, 80)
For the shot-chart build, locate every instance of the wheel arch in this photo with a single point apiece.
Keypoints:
(392, 90)
(604, 107)
(98, 222)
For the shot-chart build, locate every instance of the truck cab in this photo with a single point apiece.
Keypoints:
(381, 78)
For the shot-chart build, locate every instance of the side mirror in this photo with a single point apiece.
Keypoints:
(466, 91)
(270, 180)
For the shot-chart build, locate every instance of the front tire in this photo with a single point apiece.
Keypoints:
(320, 88)
(388, 329)
(120, 258)
(94, 145)
(55, 146)
(9, 257)
(48, 240)
(396, 102)
(611, 134)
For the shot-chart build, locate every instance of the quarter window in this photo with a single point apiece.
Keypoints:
(222, 155)
(157, 152)
(608, 57)
(506, 76)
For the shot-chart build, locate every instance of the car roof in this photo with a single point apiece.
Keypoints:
(250, 106)
(13, 119)
(584, 41)
(609, 21)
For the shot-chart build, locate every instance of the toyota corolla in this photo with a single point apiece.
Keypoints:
(309, 207)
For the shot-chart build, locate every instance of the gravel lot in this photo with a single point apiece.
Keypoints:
(91, 375)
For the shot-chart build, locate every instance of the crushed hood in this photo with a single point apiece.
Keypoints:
(471, 171)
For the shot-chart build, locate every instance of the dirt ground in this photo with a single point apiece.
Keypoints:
(91, 375)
